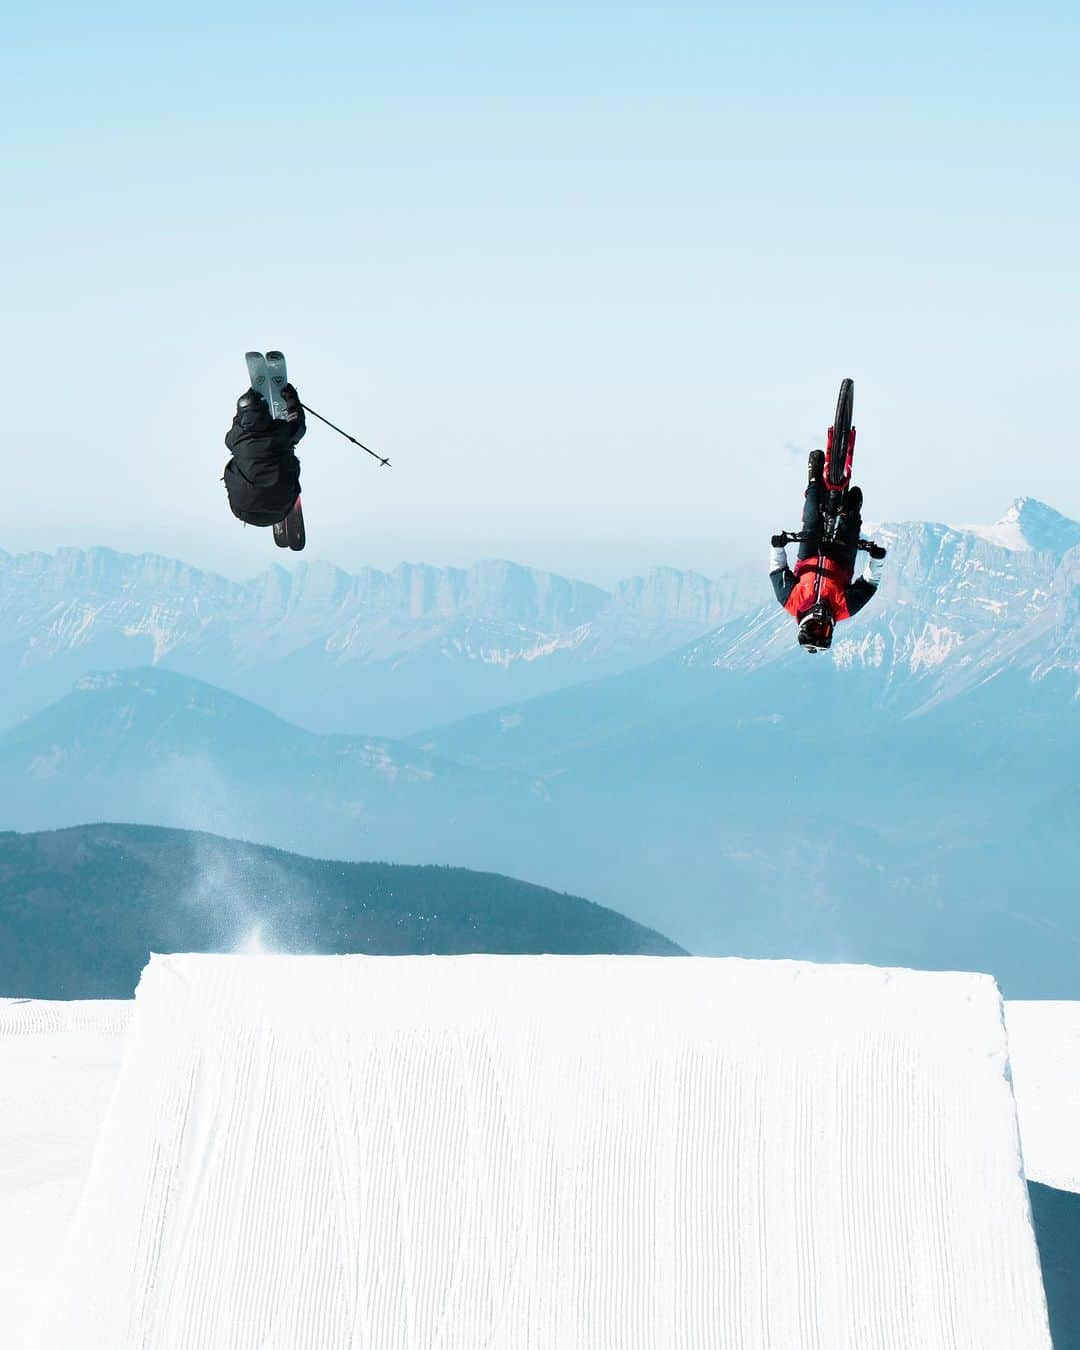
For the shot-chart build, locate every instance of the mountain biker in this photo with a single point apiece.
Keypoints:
(820, 591)
(263, 477)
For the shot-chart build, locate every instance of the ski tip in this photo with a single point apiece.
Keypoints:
(253, 356)
(275, 356)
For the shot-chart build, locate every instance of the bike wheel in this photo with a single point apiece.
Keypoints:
(836, 460)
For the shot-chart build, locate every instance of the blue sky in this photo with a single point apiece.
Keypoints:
(589, 275)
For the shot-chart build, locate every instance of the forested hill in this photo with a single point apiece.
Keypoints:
(81, 909)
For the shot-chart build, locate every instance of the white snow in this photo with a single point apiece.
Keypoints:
(1028, 525)
(58, 1066)
(1044, 1047)
(59, 1063)
(554, 1152)
(933, 646)
(506, 657)
(1005, 533)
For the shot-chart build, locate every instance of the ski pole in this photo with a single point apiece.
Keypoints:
(385, 463)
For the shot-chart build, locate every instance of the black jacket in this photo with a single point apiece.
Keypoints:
(263, 477)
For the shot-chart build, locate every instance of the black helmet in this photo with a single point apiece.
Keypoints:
(816, 628)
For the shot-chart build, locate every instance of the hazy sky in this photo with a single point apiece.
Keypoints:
(589, 273)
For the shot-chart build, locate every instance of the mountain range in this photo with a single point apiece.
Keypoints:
(392, 654)
(911, 799)
(378, 653)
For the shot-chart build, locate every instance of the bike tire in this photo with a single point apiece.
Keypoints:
(836, 461)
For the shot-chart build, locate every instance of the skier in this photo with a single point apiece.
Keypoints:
(262, 478)
(820, 592)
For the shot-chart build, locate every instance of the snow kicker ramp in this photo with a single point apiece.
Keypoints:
(457, 1153)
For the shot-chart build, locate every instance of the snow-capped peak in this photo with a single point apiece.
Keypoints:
(1030, 525)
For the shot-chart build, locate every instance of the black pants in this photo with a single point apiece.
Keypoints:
(845, 548)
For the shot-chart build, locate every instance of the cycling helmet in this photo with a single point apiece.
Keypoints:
(816, 629)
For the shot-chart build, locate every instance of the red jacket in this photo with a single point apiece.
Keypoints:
(820, 579)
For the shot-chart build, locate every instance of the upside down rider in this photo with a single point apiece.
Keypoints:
(262, 479)
(820, 592)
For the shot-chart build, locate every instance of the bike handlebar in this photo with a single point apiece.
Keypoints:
(803, 536)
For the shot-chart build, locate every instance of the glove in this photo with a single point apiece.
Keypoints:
(294, 414)
(779, 541)
(876, 552)
(256, 433)
(253, 409)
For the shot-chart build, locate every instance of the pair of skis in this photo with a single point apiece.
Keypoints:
(269, 377)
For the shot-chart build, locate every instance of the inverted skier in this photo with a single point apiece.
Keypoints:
(820, 592)
(262, 478)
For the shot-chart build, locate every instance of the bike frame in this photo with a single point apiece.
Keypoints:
(832, 509)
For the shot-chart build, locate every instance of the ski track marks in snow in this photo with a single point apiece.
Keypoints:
(317, 1152)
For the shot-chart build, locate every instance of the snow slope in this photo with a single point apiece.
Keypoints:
(58, 1067)
(1044, 1047)
(1029, 525)
(512, 1151)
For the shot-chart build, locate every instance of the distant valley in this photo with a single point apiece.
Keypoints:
(81, 910)
(911, 799)
(376, 653)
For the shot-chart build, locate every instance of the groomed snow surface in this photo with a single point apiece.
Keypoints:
(58, 1067)
(529, 1152)
(1044, 1049)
